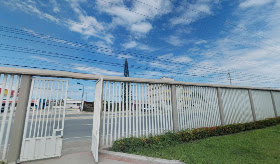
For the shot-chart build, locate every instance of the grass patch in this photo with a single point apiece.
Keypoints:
(257, 146)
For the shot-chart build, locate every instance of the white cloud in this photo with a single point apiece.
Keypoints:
(131, 44)
(87, 26)
(95, 70)
(137, 17)
(176, 41)
(254, 3)
(175, 59)
(250, 54)
(137, 45)
(192, 12)
(141, 27)
(30, 8)
(201, 42)
(56, 8)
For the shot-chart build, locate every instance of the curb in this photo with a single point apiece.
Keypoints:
(140, 158)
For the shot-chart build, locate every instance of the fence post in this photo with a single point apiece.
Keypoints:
(252, 105)
(273, 103)
(221, 108)
(19, 120)
(174, 109)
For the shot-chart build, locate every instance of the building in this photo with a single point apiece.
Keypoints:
(73, 104)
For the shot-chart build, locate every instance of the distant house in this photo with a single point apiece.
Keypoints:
(73, 104)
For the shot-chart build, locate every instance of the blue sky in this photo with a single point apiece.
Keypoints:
(194, 41)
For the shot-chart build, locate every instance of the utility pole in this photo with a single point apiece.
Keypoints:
(126, 71)
(229, 78)
(81, 108)
(126, 74)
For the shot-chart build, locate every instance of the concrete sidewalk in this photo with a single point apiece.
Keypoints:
(78, 152)
(86, 158)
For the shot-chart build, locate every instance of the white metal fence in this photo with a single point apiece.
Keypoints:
(8, 97)
(131, 107)
(142, 109)
(197, 107)
(135, 109)
(236, 106)
(276, 96)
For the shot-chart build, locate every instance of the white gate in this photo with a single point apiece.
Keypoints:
(44, 123)
(8, 98)
(96, 118)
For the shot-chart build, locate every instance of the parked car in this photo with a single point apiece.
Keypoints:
(2, 109)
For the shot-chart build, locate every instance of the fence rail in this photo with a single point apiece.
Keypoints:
(63, 74)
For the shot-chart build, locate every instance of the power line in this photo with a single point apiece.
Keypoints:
(107, 49)
(110, 64)
(152, 58)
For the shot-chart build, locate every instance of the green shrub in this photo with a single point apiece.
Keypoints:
(132, 144)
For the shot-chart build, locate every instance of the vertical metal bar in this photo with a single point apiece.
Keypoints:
(10, 118)
(129, 115)
(184, 112)
(50, 100)
(136, 110)
(220, 103)
(160, 108)
(1, 100)
(123, 116)
(34, 84)
(116, 116)
(104, 114)
(113, 131)
(209, 118)
(3, 89)
(144, 125)
(36, 116)
(60, 105)
(109, 111)
(65, 101)
(174, 109)
(133, 111)
(153, 109)
(126, 108)
(40, 118)
(155, 112)
(273, 103)
(163, 108)
(21, 116)
(120, 111)
(139, 110)
(200, 102)
(6, 108)
(214, 100)
(156, 104)
(148, 106)
(44, 114)
(112, 113)
(166, 107)
(252, 105)
(54, 117)
(146, 110)
(180, 105)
